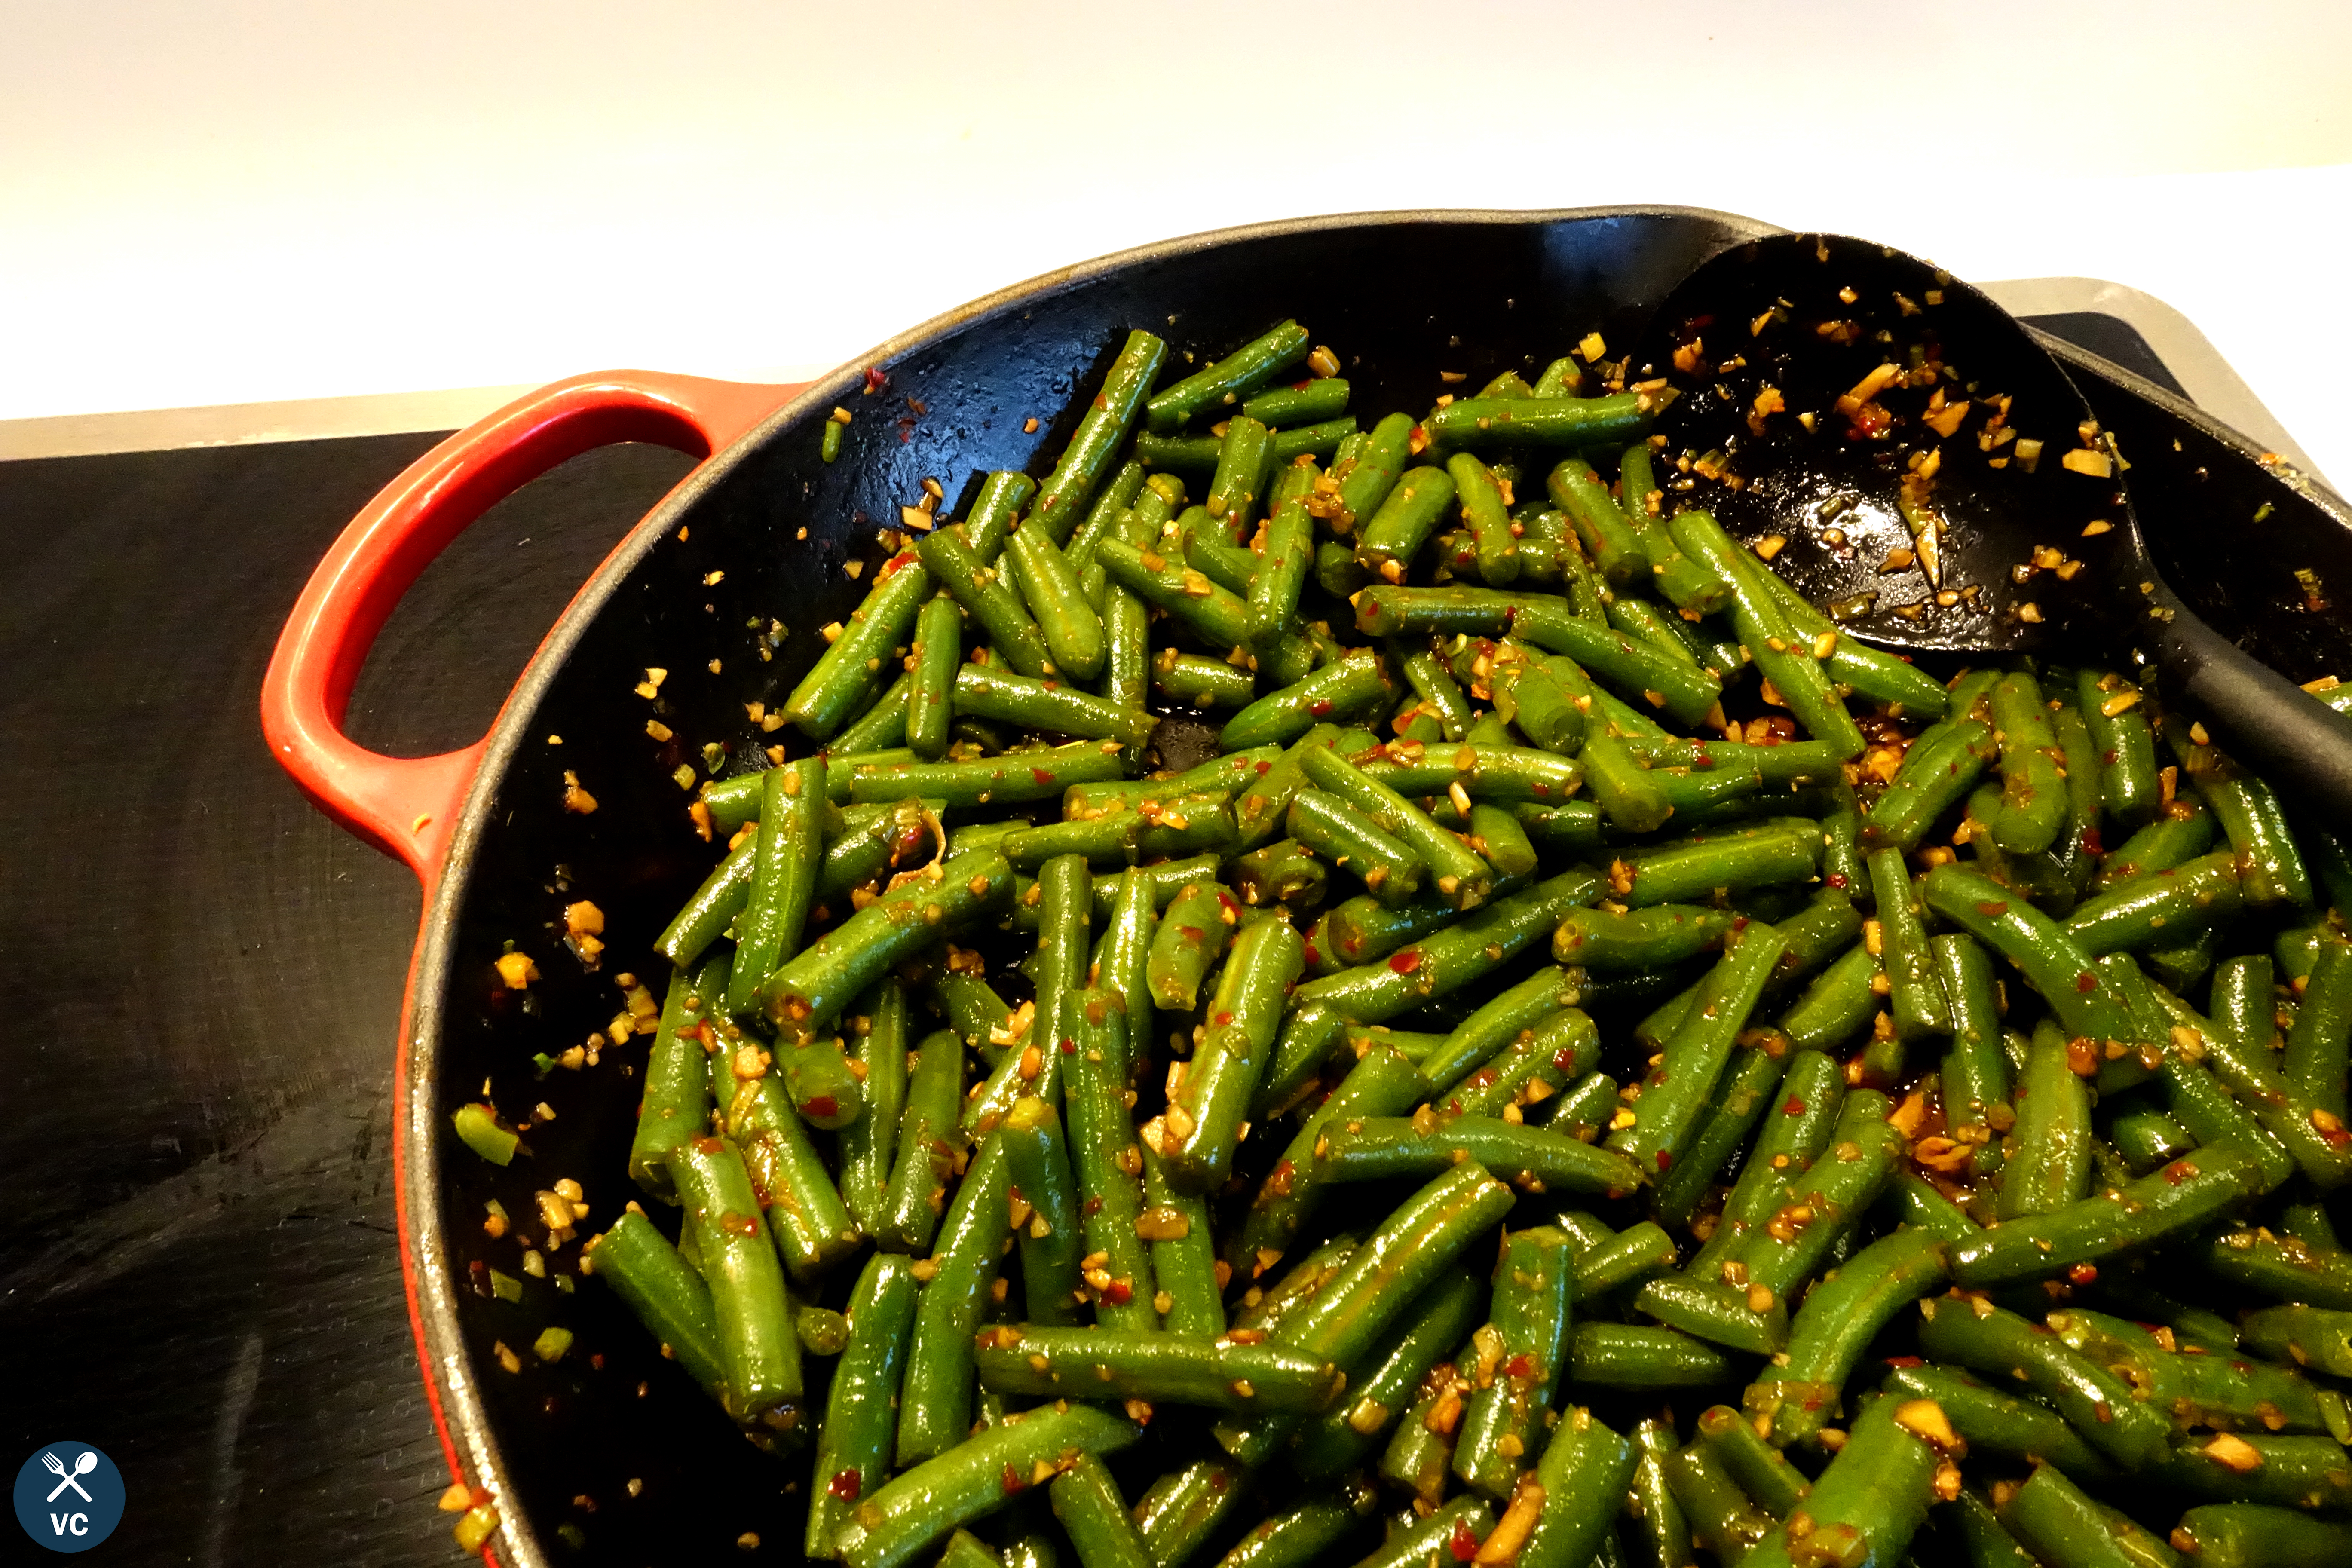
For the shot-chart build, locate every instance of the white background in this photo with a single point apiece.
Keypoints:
(219, 201)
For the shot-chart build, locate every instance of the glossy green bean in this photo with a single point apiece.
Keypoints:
(894, 1526)
(1839, 1318)
(1229, 380)
(2099, 1405)
(759, 1352)
(666, 1293)
(1109, 1164)
(1205, 1111)
(853, 1443)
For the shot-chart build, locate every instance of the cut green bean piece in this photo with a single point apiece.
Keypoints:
(894, 1526)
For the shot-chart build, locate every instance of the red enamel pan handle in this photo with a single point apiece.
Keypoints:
(407, 806)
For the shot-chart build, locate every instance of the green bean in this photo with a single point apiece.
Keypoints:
(2225, 1392)
(714, 906)
(1674, 1095)
(2319, 1046)
(1334, 829)
(2050, 960)
(987, 598)
(1305, 403)
(1795, 1131)
(1459, 875)
(1602, 526)
(1682, 693)
(783, 877)
(1323, 440)
(1191, 937)
(2284, 1269)
(1738, 1101)
(1009, 780)
(2157, 908)
(1206, 1109)
(2178, 835)
(1103, 1363)
(1883, 677)
(928, 1142)
(1839, 1318)
(1538, 1063)
(1790, 662)
(1938, 770)
(1303, 1533)
(1639, 1253)
(2325, 1154)
(880, 728)
(1508, 773)
(1067, 621)
(2128, 786)
(1454, 1529)
(1651, 1503)
(853, 1444)
(1759, 1468)
(1555, 422)
(2146, 1137)
(1489, 521)
(1289, 554)
(1420, 1455)
(1184, 824)
(929, 701)
(1834, 1193)
(758, 1350)
(2308, 1336)
(1992, 1422)
(667, 1294)
(804, 996)
(935, 1410)
(1638, 1357)
(2255, 1535)
(893, 1527)
(1915, 992)
(1087, 1505)
(1867, 1505)
(1102, 430)
(1718, 1314)
(1650, 937)
(2251, 814)
(1111, 514)
(1283, 872)
(1045, 705)
(1351, 689)
(1244, 469)
(1183, 1256)
(1104, 1153)
(806, 1218)
(836, 686)
(1373, 1148)
(1723, 1518)
(1184, 1508)
(676, 1101)
(1037, 1166)
(2051, 1518)
(1391, 536)
(1253, 365)
(1346, 1434)
(1683, 872)
(2047, 1162)
(2096, 1403)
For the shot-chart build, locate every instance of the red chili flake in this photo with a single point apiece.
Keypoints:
(1013, 1482)
(1119, 1293)
(2175, 1174)
(1795, 1107)
(1190, 933)
(1905, 1361)
(1320, 706)
(847, 1484)
(1219, 1480)
(1222, 1019)
(709, 1146)
(478, 1275)
(1520, 1366)
(2084, 1274)
(1666, 1158)
(2086, 983)
(1040, 776)
(1264, 768)
(2092, 844)
(1836, 879)
(1408, 961)
(1099, 403)
(875, 380)
(1069, 1048)
(821, 1105)
(1992, 905)
(1563, 1060)
(1314, 956)
(1300, 385)
(1465, 1544)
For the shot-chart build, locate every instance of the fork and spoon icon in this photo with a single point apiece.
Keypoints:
(81, 1467)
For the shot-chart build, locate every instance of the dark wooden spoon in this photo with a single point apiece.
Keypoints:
(1935, 481)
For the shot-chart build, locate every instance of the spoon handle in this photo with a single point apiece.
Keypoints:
(2301, 746)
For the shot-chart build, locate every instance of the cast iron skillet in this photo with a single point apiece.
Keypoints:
(499, 857)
